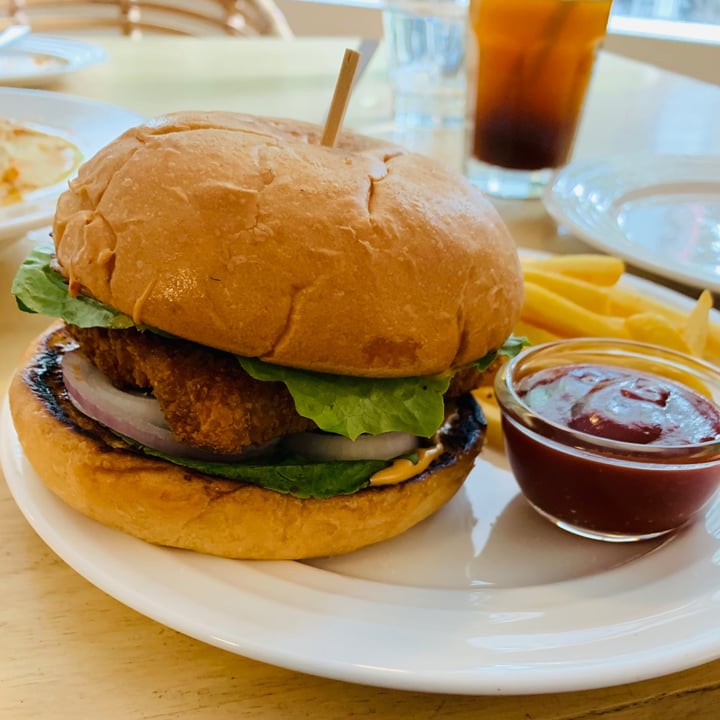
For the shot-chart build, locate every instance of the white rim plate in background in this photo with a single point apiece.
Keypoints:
(87, 123)
(37, 60)
(658, 212)
(485, 597)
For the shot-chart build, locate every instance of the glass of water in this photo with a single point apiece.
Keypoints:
(426, 46)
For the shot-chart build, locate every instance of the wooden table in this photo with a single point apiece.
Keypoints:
(69, 651)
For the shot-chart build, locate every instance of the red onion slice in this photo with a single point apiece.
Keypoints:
(319, 446)
(135, 416)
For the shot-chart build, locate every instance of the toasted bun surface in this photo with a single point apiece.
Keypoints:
(96, 473)
(243, 233)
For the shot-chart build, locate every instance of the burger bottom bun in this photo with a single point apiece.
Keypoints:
(97, 474)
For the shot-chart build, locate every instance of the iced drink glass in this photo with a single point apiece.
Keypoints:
(528, 73)
(426, 42)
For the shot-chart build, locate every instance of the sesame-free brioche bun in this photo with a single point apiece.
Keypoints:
(99, 475)
(245, 234)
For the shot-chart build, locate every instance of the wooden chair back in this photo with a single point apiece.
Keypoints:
(137, 17)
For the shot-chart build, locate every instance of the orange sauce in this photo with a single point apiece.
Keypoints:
(404, 469)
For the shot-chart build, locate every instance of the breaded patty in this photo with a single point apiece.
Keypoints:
(208, 400)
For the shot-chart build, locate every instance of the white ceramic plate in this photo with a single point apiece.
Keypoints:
(38, 60)
(661, 213)
(485, 597)
(88, 124)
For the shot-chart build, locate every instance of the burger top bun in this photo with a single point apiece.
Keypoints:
(245, 234)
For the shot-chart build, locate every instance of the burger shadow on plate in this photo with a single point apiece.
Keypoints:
(488, 535)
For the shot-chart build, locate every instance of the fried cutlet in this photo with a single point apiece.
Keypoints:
(207, 399)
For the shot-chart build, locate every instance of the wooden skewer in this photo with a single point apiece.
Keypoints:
(340, 98)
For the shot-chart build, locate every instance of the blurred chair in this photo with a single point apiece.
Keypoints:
(135, 18)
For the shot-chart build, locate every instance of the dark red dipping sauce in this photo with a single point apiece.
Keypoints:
(613, 490)
(621, 405)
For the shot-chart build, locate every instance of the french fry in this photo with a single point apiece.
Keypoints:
(486, 399)
(598, 269)
(566, 318)
(535, 335)
(712, 347)
(585, 281)
(584, 293)
(655, 329)
(697, 328)
(624, 302)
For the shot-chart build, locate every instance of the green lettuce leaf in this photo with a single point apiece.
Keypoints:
(512, 346)
(40, 289)
(351, 406)
(290, 475)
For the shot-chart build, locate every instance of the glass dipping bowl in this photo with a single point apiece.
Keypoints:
(599, 487)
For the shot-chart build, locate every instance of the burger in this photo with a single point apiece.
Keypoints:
(264, 346)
